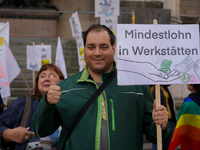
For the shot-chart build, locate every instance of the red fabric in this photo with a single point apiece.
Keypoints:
(186, 142)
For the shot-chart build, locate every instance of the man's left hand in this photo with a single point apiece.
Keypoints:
(160, 115)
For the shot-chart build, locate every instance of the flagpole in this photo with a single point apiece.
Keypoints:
(158, 127)
(26, 83)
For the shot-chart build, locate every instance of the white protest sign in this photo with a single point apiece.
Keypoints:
(80, 49)
(45, 53)
(75, 24)
(4, 31)
(106, 8)
(110, 22)
(9, 70)
(158, 54)
(37, 56)
(4, 34)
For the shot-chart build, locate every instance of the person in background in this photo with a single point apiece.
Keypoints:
(167, 101)
(187, 131)
(1, 105)
(116, 120)
(15, 137)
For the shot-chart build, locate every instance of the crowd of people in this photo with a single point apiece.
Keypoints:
(115, 120)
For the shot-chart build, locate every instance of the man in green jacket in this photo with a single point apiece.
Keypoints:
(119, 116)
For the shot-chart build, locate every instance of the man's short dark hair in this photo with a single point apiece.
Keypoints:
(196, 87)
(99, 28)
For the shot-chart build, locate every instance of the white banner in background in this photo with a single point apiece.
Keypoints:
(158, 54)
(75, 24)
(37, 56)
(9, 70)
(110, 22)
(60, 61)
(80, 50)
(4, 34)
(106, 8)
(4, 31)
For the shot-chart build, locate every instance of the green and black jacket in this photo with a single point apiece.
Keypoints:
(129, 115)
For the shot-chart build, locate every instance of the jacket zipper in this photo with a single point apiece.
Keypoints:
(113, 115)
(98, 126)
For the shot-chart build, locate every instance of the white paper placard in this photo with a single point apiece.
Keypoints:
(80, 48)
(75, 24)
(37, 56)
(106, 8)
(110, 22)
(158, 54)
(4, 35)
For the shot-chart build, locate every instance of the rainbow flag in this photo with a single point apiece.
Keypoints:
(187, 131)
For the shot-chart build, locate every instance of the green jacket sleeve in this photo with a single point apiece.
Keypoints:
(45, 120)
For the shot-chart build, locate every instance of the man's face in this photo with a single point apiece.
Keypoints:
(98, 52)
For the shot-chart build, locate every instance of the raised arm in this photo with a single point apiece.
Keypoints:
(46, 119)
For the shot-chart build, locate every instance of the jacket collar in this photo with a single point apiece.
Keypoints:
(85, 76)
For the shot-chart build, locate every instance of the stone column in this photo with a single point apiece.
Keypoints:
(174, 6)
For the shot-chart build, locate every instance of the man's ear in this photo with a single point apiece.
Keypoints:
(113, 47)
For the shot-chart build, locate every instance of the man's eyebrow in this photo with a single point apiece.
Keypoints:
(90, 44)
(101, 44)
(104, 44)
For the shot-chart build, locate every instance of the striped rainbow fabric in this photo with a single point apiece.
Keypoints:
(187, 131)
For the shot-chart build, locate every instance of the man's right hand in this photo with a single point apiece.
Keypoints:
(54, 92)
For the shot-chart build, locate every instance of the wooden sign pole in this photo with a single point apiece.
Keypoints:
(25, 82)
(158, 127)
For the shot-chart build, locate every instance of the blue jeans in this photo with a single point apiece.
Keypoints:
(167, 143)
